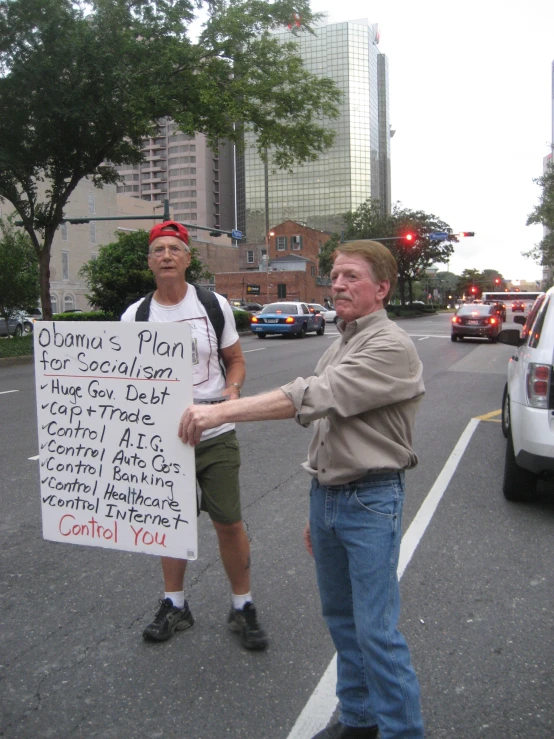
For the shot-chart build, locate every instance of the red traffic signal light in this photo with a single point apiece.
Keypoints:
(409, 237)
(465, 234)
(497, 280)
(474, 290)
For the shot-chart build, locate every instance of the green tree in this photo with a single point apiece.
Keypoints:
(19, 279)
(543, 214)
(413, 258)
(469, 279)
(324, 260)
(119, 275)
(81, 84)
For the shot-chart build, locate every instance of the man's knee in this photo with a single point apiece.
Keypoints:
(229, 530)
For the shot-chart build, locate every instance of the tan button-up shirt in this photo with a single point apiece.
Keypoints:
(362, 400)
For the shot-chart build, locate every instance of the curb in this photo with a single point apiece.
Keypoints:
(10, 361)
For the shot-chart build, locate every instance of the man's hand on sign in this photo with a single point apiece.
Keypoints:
(198, 418)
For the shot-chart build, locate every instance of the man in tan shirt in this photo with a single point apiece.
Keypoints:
(362, 400)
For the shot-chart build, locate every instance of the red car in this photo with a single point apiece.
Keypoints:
(518, 305)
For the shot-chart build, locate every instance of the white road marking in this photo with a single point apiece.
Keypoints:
(33, 458)
(261, 349)
(5, 392)
(430, 336)
(322, 703)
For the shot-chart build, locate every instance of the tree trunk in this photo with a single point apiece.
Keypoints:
(44, 271)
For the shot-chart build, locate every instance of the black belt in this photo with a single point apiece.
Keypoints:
(375, 476)
(209, 401)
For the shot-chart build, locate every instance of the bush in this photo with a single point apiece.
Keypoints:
(18, 346)
(96, 315)
(242, 320)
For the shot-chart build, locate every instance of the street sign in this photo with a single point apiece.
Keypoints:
(252, 289)
(439, 236)
(235, 234)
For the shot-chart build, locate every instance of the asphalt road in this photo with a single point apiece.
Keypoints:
(477, 593)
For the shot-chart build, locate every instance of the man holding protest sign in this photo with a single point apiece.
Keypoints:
(215, 345)
(362, 400)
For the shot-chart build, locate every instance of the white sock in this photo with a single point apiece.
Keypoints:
(178, 598)
(239, 601)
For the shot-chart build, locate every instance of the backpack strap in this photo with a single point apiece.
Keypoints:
(211, 306)
(213, 309)
(143, 311)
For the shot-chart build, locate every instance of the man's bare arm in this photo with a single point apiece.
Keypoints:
(265, 407)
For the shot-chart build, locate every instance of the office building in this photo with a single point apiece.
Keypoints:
(198, 182)
(356, 168)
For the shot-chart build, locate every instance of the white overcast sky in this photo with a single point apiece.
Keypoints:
(471, 102)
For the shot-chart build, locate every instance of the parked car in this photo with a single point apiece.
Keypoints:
(20, 323)
(476, 320)
(288, 317)
(329, 314)
(518, 305)
(528, 401)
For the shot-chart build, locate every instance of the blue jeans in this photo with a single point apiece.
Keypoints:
(356, 532)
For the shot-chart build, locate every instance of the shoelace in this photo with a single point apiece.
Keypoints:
(164, 609)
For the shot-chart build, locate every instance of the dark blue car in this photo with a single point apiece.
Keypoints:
(287, 318)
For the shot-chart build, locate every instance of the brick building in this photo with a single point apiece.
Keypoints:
(286, 268)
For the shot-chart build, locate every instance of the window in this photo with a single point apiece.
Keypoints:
(92, 232)
(54, 301)
(91, 203)
(63, 229)
(281, 243)
(296, 242)
(250, 256)
(312, 271)
(68, 302)
(65, 265)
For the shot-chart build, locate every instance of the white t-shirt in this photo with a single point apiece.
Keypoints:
(207, 377)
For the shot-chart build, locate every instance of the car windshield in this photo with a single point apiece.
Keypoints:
(315, 306)
(289, 309)
(481, 310)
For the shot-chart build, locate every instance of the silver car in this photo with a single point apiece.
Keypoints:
(20, 323)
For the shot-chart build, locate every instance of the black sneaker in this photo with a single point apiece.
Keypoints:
(245, 622)
(167, 620)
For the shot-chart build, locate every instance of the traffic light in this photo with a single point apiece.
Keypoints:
(497, 280)
(465, 234)
(409, 237)
(473, 289)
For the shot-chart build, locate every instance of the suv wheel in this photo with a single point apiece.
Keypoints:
(505, 421)
(519, 484)
(321, 330)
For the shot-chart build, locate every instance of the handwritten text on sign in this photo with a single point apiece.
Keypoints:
(113, 472)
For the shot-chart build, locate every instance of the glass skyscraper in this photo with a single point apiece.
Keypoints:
(356, 168)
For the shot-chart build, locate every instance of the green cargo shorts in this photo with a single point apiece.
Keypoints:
(217, 473)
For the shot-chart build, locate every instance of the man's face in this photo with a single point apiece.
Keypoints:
(355, 292)
(168, 258)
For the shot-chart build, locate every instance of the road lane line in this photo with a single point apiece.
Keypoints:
(261, 349)
(5, 392)
(322, 703)
(33, 458)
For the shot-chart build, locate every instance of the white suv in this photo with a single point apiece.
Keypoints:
(528, 401)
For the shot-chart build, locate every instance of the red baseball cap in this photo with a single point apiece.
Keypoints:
(169, 228)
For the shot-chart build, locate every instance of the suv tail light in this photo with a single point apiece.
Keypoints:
(539, 378)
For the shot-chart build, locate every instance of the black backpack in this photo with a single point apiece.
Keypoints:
(210, 303)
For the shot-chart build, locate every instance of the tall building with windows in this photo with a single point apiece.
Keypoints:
(356, 168)
(198, 182)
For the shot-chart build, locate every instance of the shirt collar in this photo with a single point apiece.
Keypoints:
(348, 330)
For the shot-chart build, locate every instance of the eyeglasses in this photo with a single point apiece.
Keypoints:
(173, 249)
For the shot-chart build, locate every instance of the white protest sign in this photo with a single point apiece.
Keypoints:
(113, 472)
